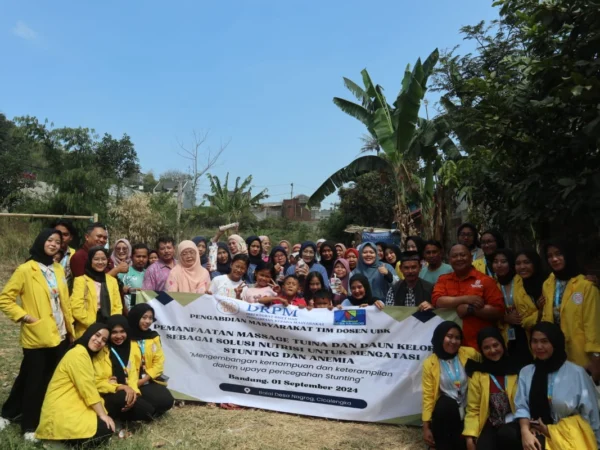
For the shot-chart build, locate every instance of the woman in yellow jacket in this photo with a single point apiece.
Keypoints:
(489, 420)
(445, 388)
(46, 328)
(515, 301)
(556, 403)
(117, 375)
(529, 298)
(73, 410)
(573, 303)
(152, 380)
(96, 294)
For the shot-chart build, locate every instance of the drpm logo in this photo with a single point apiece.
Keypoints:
(228, 307)
(350, 317)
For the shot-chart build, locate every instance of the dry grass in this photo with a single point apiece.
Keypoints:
(205, 427)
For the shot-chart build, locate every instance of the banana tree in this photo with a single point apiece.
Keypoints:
(233, 204)
(399, 133)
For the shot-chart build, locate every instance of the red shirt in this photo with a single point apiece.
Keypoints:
(297, 301)
(79, 260)
(476, 283)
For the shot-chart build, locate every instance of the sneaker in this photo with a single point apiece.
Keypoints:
(4, 423)
(30, 437)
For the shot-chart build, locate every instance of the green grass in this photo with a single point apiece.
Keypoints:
(206, 427)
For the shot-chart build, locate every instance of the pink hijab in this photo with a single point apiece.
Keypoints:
(338, 298)
(113, 255)
(193, 279)
(241, 244)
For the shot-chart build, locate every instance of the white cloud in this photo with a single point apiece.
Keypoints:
(23, 31)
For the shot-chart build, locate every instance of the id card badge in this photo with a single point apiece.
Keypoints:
(510, 417)
(511, 334)
(461, 411)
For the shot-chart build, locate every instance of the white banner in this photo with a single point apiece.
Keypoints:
(353, 364)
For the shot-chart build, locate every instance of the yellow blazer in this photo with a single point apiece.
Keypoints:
(480, 265)
(84, 301)
(66, 412)
(524, 306)
(579, 316)
(571, 433)
(104, 370)
(478, 401)
(154, 356)
(29, 283)
(431, 379)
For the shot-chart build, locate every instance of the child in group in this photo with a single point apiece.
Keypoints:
(152, 257)
(134, 278)
(323, 298)
(341, 269)
(314, 282)
(264, 288)
(288, 296)
(229, 285)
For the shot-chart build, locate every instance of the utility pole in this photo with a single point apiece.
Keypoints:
(179, 207)
(292, 193)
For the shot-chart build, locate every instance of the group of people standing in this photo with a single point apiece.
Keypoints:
(88, 343)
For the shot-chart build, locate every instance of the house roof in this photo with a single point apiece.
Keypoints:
(168, 185)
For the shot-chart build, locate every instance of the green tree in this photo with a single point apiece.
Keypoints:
(525, 108)
(411, 146)
(14, 157)
(117, 158)
(368, 201)
(233, 204)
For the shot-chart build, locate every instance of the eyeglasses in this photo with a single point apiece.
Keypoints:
(466, 235)
(490, 242)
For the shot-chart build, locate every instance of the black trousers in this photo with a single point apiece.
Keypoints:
(446, 425)
(158, 396)
(141, 409)
(29, 389)
(103, 434)
(505, 437)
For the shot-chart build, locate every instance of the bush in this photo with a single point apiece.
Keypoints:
(136, 220)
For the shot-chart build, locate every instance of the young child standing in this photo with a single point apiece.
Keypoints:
(265, 287)
(232, 284)
(323, 298)
(288, 296)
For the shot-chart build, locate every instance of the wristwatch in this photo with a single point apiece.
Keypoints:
(470, 310)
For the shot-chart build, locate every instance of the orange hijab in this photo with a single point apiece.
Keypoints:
(194, 279)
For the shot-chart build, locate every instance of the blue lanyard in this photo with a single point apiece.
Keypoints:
(509, 301)
(487, 270)
(497, 383)
(123, 366)
(551, 386)
(559, 290)
(142, 345)
(453, 375)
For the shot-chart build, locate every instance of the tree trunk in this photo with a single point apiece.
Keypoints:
(179, 209)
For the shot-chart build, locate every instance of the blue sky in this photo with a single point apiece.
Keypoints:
(261, 74)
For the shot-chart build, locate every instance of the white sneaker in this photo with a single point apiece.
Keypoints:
(30, 437)
(4, 423)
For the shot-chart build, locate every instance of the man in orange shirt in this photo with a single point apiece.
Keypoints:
(475, 296)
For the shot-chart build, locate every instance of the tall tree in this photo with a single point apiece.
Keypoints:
(14, 157)
(117, 158)
(233, 204)
(368, 201)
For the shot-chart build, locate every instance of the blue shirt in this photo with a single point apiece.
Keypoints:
(433, 275)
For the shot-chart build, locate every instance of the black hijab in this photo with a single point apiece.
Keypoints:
(533, 284)
(510, 257)
(539, 405)
(473, 228)
(437, 340)
(84, 340)
(504, 366)
(396, 251)
(571, 268)
(328, 264)
(37, 252)
(134, 316)
(419, 242)
(224, 268)
(276, 249)
(100, 277)
(254, 259)
(122, 350)
(368, 298)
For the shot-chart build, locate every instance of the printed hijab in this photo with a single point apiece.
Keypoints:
(539, 404)
(113, 256)
(254, 259)
(122, 350)
(504, 366)
(134, 316)
(197, 240)
(37, 252)
(241, 244)
(99, 277)
(368, 298)
(84, 340)
(189, 279)
(437, 340)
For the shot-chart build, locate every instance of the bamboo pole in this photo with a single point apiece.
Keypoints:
(50, 216)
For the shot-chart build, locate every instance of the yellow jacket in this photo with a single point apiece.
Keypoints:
(398, 271)
(571, 433)
(480, 265)
(478, 401)
(84, 301)
(67, 412)
(579, 316)
(524, 305)
(104, 371)
(431, 378)
(29, 283)
(154, 357)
